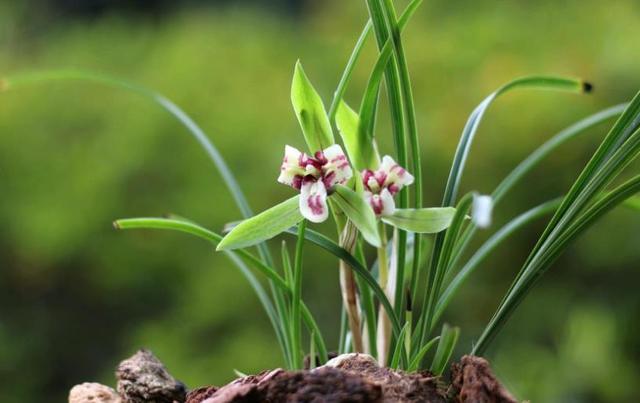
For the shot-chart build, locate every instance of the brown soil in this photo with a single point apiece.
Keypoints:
(346, 378)
(357, 378)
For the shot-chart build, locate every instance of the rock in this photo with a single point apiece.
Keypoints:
(143, 379)
(93, 393)
(474, 381)
(200, 394)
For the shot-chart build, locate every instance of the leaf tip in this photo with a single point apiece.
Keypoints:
(587, 87)
(222, 245)
(116, 224)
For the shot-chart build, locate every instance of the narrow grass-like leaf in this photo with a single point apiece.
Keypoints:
(359, 212)
(361, 149)
(534, 82)
(526, 281)
(424, 220)
(533, 160)
(491, 244)
(617, 150)
(468, 134)
(448, 340)
(357, 50)
(210, 236)
(437, 275)
(333, 248)
(310, 112)
(589, 217)
(368, 107)
(263, 226)
(394, 28)
(166, 104)
(400, 346)
(417, 359)
(286, 264)
(201, 232)
(277, 325)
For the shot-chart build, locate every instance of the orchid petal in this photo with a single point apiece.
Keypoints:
(388, 205)
(292, 169)
(336, 170)
(313, 201)
(395, 174)
(382, 204)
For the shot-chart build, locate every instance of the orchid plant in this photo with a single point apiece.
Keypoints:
(392, 304)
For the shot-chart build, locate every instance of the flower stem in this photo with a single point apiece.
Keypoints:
(348, 239)
(296, 300)
(384, 324)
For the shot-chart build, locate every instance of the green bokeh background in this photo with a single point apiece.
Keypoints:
(77, 296)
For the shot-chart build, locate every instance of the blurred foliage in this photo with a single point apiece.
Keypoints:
(76, 297)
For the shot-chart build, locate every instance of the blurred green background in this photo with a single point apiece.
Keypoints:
(76, 296)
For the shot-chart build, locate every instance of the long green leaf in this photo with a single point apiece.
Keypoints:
(621, 130)
(369, 103)
(617, 150)
(210, 236)
(263, 226)
(448, 340)
(265, 301)
(424, 220)
(415, 362)
(357, 50)
(167, 105)
(397, 352)
(201, 232)
(310, 112)
(534, 82)
(359, 212)
(468, 134)
(491, 244)
(533, 160)
(362, 272)
(395, 28)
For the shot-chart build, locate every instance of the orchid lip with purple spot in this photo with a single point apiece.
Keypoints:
(382, 184)
(315, 177)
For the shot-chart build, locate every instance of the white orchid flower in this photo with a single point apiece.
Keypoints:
(314, 177)
(381, 185)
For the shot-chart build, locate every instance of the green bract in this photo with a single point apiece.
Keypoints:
(422, 221)
(310, 112)
(357, 210)
(263, 226)
(359, 145)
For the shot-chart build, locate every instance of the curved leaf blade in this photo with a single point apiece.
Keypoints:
(422, 221)
(263, 226)
(448, 340)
